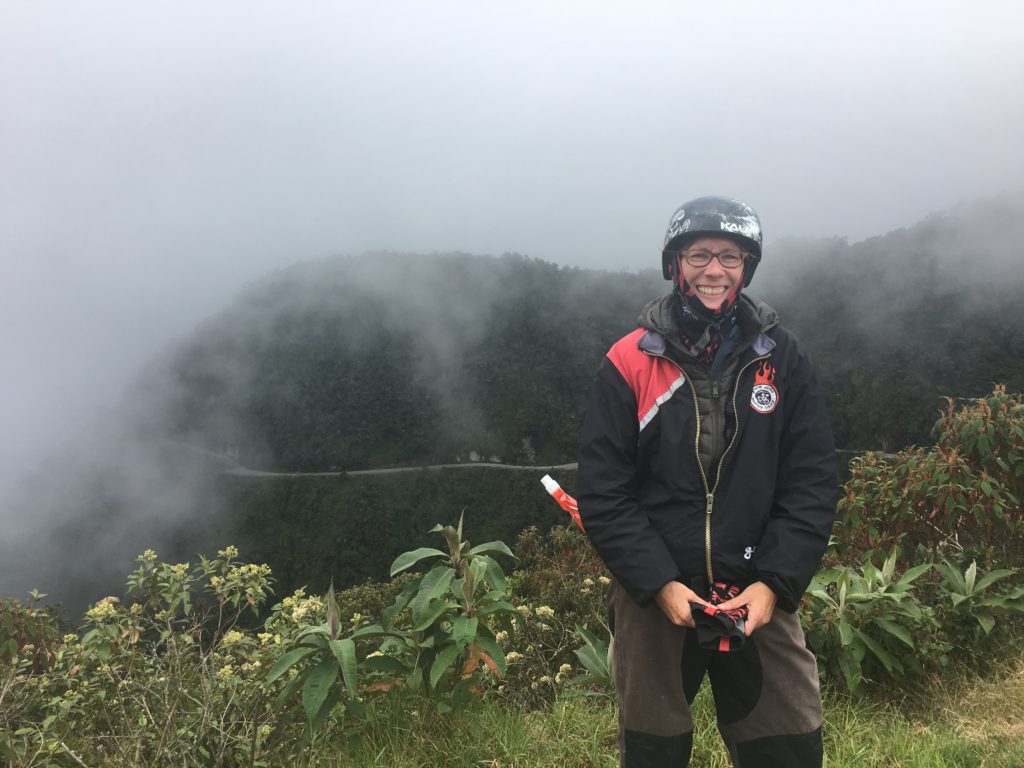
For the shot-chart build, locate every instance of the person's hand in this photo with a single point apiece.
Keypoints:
(674, 599)
(760, 601)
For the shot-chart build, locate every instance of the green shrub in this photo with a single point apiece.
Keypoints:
(559, 584)
(168, 678)
(863, 624)
(435, 640)
(963, 494)
(365, 603)
(28, 631)
(970, 605)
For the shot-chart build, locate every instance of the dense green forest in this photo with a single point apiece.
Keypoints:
(351, 528)
(392, 359)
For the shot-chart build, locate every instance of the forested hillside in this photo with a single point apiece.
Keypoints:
(897, 322)
(390, 359)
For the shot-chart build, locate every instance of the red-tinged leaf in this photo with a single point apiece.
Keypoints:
(382, 685)
(472, 661)
(490, 663)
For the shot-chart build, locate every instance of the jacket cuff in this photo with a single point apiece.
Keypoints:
(784, 598)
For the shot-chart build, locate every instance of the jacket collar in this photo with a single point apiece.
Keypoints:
(658, 322)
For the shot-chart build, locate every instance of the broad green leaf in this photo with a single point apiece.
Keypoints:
(953, 576)
(318, 685)
(371, 630)
(594, 654)
(318, 630)
(344, 651)
(315, 639)
(409, 559)
(388, 664)
(442, 663)
(432, 586)
(325, 709)
(431, 613)
(284, 663)
(489, 608)
(845, 633)
(463, 630)
(823, 596)
(889, 568)
(878, 651)
(1014, 601)
(991, 577)
(851, 672)
(495, 575)
(478, 571)
(986, 620)
(895, 630)
(492, 546)
(871, 574)
(970, 575)
(913, 574)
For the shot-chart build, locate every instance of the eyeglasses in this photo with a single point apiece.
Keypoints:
(728, 259)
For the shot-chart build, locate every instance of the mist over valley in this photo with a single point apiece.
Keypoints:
(385, 360)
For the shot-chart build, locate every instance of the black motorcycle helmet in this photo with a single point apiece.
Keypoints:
(715, 216)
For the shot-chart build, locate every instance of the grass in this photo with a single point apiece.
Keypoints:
(963, 723)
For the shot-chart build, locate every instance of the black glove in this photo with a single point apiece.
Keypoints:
(720, 630)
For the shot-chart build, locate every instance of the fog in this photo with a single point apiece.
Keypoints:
(155, 158)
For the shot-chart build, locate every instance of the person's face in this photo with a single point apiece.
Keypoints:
(713, 283)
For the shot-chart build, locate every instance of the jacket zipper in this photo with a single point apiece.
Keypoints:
(708, 490)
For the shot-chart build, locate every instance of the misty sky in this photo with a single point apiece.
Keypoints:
(156, 156)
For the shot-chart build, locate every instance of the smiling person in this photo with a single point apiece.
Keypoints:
(707, 484)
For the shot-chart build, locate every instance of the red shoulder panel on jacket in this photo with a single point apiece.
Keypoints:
(653, 379)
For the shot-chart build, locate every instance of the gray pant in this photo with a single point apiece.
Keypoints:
(766, 694)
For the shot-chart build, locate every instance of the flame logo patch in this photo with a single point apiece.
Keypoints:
(765, 396)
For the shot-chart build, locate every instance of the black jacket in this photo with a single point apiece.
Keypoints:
(655, 513)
